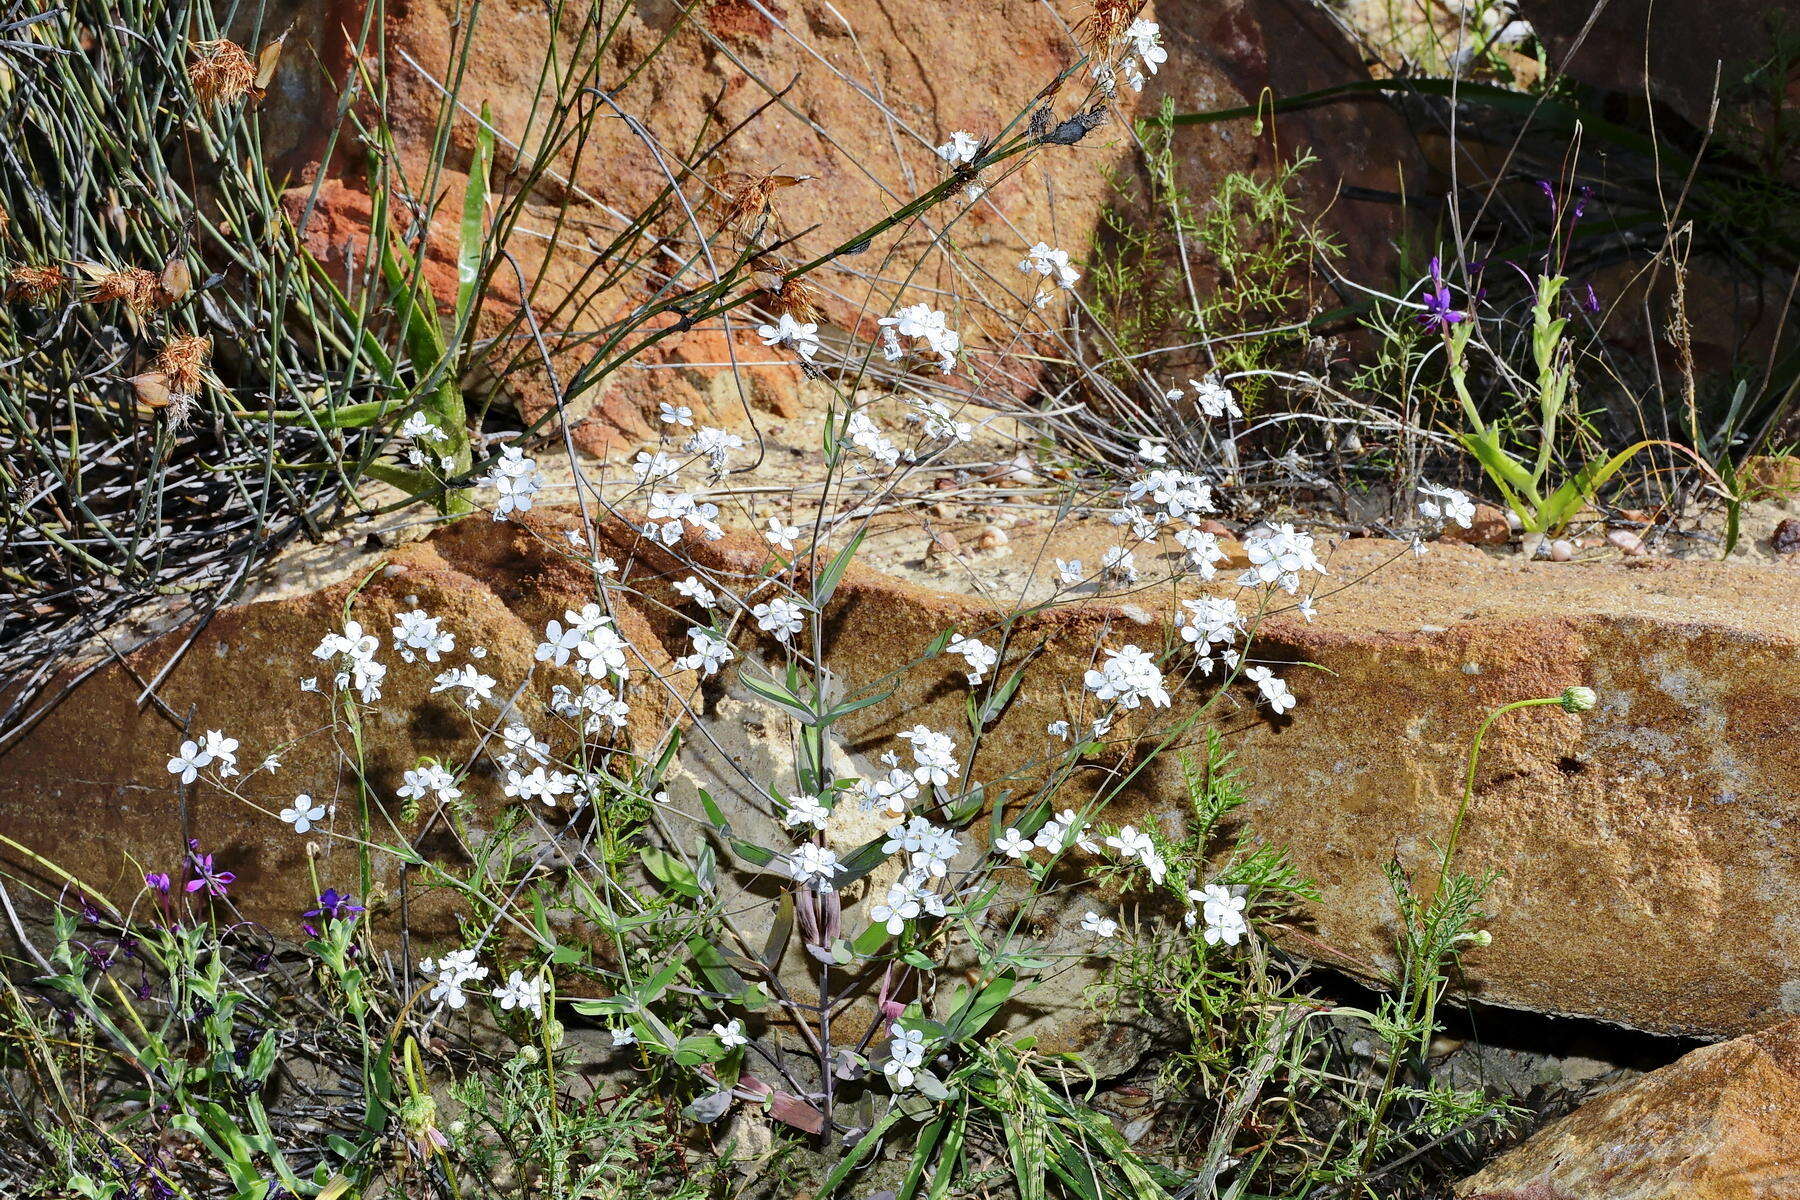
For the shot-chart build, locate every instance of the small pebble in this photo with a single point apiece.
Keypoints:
(1562, 550)
(1628, 542)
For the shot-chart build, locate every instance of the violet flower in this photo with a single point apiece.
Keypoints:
(215, 882)
(156, 881)
(333, 906)
(1440, 309)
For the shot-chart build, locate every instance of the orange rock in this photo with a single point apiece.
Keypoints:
(1663, 817)
(935, 71)
(1489, 527)
(1721, 1123)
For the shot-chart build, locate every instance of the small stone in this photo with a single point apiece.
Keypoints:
(1489, 527)
(992, 538)
(1628, 542)
(1562, 550)
(1787, 536)
(942, 543)
(1216, 528)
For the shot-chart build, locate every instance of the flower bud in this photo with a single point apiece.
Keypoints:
(1579, 699)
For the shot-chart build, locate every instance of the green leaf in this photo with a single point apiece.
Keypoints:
(474, 209)
(825, 584)
(975, 1009)
(671, 871)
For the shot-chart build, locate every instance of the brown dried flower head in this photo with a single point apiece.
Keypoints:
(793, 296)
(738, 200)
(1106, 24)
(34, 284)
(183, 361)
(221, 72)
(141, 290)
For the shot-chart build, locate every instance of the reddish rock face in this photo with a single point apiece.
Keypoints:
(1721, 1123)
(1643, 850)
(875, 86)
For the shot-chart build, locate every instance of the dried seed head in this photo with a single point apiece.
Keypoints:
(183, 363)
(1106, 24)
(739, 200)
(33, 284)
(221, 72)
(796, 298)
(141, 290)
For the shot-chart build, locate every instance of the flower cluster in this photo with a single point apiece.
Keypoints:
(516, 478)
(924, 325)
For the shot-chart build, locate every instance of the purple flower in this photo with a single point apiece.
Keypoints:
(215, 882)
(333, 906)
(1440, 309)
(156, 881)
(1591, 301)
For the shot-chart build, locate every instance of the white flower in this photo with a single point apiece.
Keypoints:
(1013, 844)
(1446, 504)
(451, 972)
(780, 617)
(902, 905)
(922, 323)
(804, 337)
(731, 1034)
(1129, 676)
(479, 687)
(518, 740)
(1063, 830)
(303, 814)
(1223, 913)
(655, 467)
(623, 1037)
(520, 992)
(1207, 620)
(419, 428)
(429, 779)
(979, 655)
(781, 536)
(517, 480)
(906, 1054)
(899, 786)
(714, 444)
(1203, 551)
(189, 761)
(710, 652)
(558, 643)
(1153, 452)
(698, 592)
(938, 422)
(355, 652)
(1118, 563)
(1277, 555)
(1069, 573)
(1175, 494)
(805, 809)
(961, 148)
(1052, 264)
(675, 414)
(1274, 690)
(1101, 927)
(1058, 730)
(934, 755)
(815, 865)
(418, 631)
(1214, 398)
(1146, 41)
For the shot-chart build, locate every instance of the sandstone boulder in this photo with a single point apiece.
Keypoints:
(1722, 1123)
(1642, 850)
(853, 97)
